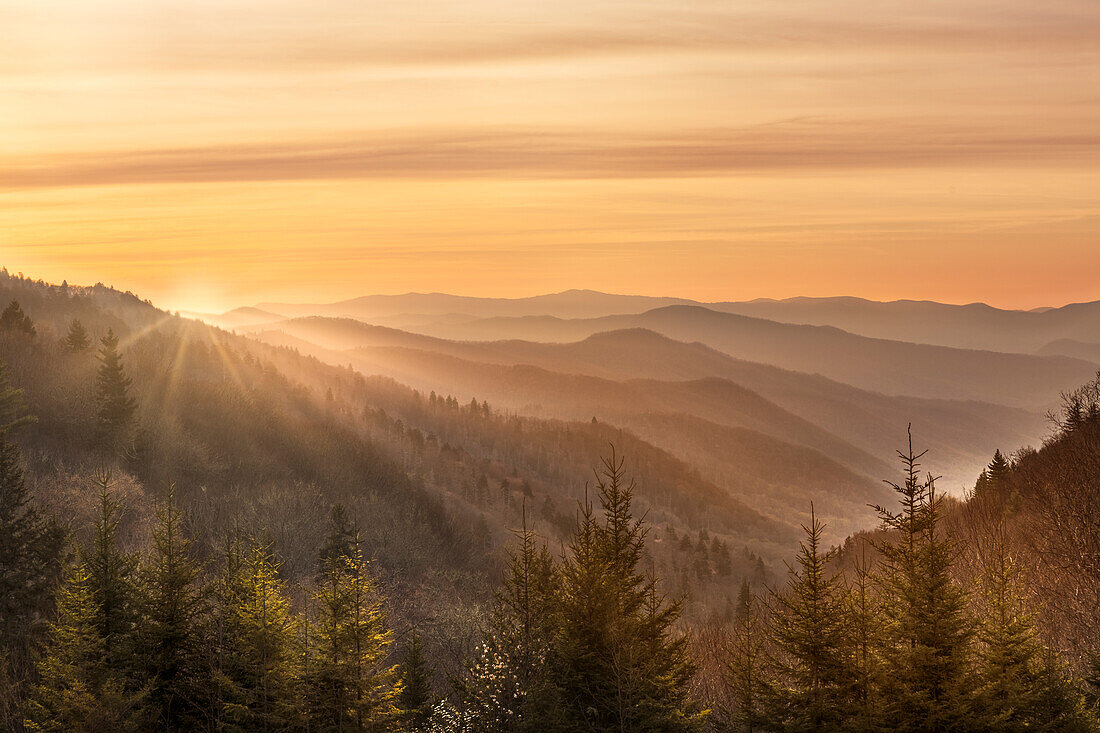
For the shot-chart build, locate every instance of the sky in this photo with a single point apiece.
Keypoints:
(208, 154)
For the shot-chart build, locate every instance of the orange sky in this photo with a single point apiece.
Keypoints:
(208, 154)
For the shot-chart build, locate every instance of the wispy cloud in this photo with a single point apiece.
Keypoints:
(555, 154)
(258, 37)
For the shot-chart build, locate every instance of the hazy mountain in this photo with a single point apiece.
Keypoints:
(271, 438)
(880, 365)
(1076, 349)
(236, 318)
(972, 326)
(567, 304)
(962, 434)
(789, 454)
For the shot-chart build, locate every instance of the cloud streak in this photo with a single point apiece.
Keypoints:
(170, 36)
(536, 154)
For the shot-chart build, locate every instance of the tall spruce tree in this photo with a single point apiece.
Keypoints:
(812, 641)
(350, 685)
(620, 666)
(14, 320)
(115, 406)
(258, 660)
(508, 686)
(112, 580)
(747, 669)
(170, 639)
(77, 338)
(416, 698)
(997, 472)
(865, 622)
(929, 680)
(81, 690)
(30, 567)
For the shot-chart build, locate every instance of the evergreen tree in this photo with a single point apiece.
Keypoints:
(620, 665)
(112, 581)
(77, 338)
(508, 686)
(115, 405)
(416, 698)
(257, 673)
(746, 668)
(172, 624)
(350, 686)
(997, 472)
(1023, 686)
(341, 541)
(14, 320)
(865, 622)
(80, 689)
(928, 682)
(811, 631)
(29, 560)
(744, 600)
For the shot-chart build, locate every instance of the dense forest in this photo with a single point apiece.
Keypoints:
(202, 532)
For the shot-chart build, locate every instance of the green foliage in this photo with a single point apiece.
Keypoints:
(349, 684)
(77, 338)
(115, 406)
(170, 638)
(81, 688)
(747, 666)
(112, 576)
(30, 547)
(618, 663)
(509, 685)
(258, 670)
(14, 320)
(812, 638)
(416, 698)
(864, 617)
(929, 680)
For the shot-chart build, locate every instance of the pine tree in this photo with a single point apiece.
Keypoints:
(257, 674)
(172, 624)
(77, 338)
(115, 405)
(1023, 686)
(350, 685)
(14, 320)
(746, 668)
(508, 686)
(341, 540)
(620, 665)
(929, 680)
(997, 472)
(865, 628)
(811, 631)
(88, 676)
(416, 699)
(80, 690)
(744, 600)
(112, 580)
(30, 565)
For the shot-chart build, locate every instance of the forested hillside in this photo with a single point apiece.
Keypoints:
(849, 424)
(200, 531)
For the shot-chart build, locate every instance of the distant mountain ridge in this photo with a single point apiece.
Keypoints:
(879, 365)
(969, 326)
(962, 434)
(566, 304)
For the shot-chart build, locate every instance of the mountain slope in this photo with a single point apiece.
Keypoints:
(962, 434)
(972, 326)
(878, 365)
(567, 304)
